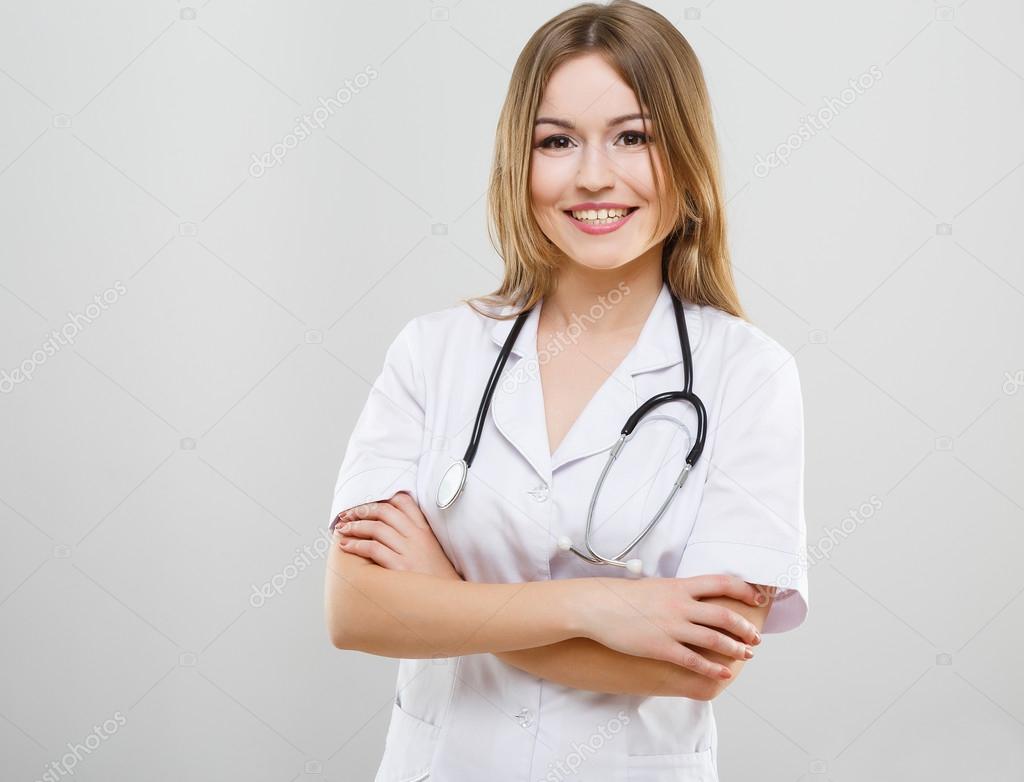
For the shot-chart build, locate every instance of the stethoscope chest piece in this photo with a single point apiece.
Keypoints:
(452, 483)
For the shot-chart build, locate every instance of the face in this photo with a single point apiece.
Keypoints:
(586, 159)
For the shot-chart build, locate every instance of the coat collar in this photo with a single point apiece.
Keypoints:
(517, 407)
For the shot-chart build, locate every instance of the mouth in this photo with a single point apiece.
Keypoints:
(592, 222)
(597, 217)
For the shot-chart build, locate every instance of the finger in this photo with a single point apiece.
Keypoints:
(343, 541)
(374, 530)
(721, 617)
(736, 642)
(345, 544)
(723, 584)
(371, 549)
(684, 656)
(766, 592)
(406, 503)
(380, 511)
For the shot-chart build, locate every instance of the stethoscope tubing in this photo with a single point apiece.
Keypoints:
(626, 433)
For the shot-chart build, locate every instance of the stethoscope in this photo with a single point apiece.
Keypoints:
(454, 479)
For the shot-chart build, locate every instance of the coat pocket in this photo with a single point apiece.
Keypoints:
(681, 767)
(408, 748)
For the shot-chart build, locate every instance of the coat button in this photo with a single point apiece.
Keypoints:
(539, 493)
(525, 717)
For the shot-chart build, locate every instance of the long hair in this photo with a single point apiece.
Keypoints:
(656, 61)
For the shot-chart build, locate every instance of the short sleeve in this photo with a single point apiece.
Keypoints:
(383, 451)
(750, 522)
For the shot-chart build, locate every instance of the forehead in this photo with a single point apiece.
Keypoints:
(587, 90)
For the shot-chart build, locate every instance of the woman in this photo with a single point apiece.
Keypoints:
(522, 660)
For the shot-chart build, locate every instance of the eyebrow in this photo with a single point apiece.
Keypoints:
(564, 123)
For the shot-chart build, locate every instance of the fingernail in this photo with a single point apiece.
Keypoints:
(726, 673)
(757, 637)
(345, 527)
(748, 654)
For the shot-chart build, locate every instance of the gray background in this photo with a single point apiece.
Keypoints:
(185, 446)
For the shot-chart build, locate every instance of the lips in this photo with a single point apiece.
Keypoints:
(600, 226)
(629, 209)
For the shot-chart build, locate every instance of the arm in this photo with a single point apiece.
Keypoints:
(413, 615)
(585, 664)
(660, 619)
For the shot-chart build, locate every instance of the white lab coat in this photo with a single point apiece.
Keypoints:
(741, 512)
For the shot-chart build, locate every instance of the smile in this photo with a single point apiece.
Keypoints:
(592, 223)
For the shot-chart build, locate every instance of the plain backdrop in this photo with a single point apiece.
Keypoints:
(187, 336)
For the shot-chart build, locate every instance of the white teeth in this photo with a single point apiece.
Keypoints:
(600, 216)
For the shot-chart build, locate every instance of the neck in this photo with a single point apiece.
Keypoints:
(599, 296)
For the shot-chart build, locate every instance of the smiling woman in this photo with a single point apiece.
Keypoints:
(587, 151)
(606, 208)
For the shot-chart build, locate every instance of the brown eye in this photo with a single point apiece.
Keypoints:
(645, 139)
(548, 142)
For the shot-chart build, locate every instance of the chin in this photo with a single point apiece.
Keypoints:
(603, 264)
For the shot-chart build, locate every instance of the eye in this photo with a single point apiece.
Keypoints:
(564, 142)
(646, 139)
(546, 143)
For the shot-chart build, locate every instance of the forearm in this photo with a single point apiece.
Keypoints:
(585, 664)
(404, 614)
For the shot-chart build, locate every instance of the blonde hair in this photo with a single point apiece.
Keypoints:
(655, 60)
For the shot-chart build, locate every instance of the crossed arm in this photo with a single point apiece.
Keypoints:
(585, 664)
(534, 630)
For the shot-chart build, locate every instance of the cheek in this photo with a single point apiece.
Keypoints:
(547, 180)
(545, 192)
(637, 173)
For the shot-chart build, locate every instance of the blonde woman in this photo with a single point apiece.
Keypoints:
(489, 508)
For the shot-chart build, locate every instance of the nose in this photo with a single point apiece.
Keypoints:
(595, 171)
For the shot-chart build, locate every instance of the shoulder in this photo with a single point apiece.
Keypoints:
(419, 354)
(734, 341)
(751, 365)
(422, 347)
(431, 329)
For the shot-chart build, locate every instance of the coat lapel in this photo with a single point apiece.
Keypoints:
(517, 406)
(656, 348)
(518, 403)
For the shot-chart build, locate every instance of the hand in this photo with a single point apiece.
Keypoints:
(396, 535)
(663, 619)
